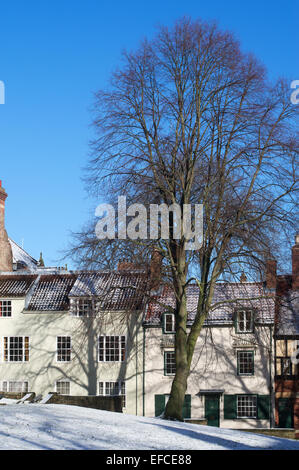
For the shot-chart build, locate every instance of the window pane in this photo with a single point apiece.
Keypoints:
(246, 406)
(16, 348)
(245, 362)
(63, 387)
(84, 307)
(112, 348)
(244, 321)
(5, 308)
(63, 348)
(170, 365)
(169, 322)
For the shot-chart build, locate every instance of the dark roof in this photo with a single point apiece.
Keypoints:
(120, 290)
(227, 298)
(51, 293)
(288, 315)
(15, 285)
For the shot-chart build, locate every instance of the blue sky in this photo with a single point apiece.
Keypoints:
(54, 55)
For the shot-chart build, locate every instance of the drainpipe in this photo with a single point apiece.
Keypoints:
(270, 380)
(136, 375)
(143, 374)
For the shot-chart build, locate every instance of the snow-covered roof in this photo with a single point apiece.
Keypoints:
(51, 293)
(21, 257)
(228, 297)
(15, 285)
(115, 290)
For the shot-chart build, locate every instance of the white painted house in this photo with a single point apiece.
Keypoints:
(231, 379)
(95, 333)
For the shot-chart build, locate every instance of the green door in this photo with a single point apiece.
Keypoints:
(212, 409)
(285, 413)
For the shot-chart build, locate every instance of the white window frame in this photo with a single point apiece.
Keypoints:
(246, 396)
(105, 350)
(64, 382)
(170, 374)
(7, 307)
(120, 390)
(89, 312)
(172, 323)
(244, 312)
(248, 352)
(9, 339)
(65, 350)
(6, 386)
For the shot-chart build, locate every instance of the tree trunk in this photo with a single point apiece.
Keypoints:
(174, 407)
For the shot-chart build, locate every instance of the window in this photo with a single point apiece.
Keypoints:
(246, 406)
(244, 321)
(84, 308)
(169, 363)
(63, 348)
(13, 386)
(63, 387)
(245, 362)
(168, 323)
(113, 389)
(5, 308)
(112, 348)
(284, 366)
(16, 348)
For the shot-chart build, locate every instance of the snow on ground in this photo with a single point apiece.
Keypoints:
(63, 427)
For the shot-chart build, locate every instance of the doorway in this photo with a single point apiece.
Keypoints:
(212, 414)
(285, 413)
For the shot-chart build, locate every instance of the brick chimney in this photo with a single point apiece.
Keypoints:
(295, 263)
(271, 273)
(5, 248)
(126, 265)
(155, 269)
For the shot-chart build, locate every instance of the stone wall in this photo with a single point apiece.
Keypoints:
(97, 402)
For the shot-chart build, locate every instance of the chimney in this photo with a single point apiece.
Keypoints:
(295, 263)
(126, 265)
(155, 269)
(5, 248)
(271, 275)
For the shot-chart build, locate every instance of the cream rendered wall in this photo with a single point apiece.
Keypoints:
(84, 371)
(214, 366)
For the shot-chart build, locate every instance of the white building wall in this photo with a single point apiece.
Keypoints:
(214, 367)
(84, 371)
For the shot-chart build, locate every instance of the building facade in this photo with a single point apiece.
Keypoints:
(287, 346)
(105, 333)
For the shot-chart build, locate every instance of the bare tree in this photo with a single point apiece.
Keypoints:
(190, 119)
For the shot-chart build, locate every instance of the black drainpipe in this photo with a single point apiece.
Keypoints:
(143, 374)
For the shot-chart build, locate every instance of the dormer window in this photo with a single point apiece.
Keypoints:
(168, 323)
(244, 321)
(84, 308)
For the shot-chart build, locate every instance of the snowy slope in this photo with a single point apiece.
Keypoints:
(33, 426)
